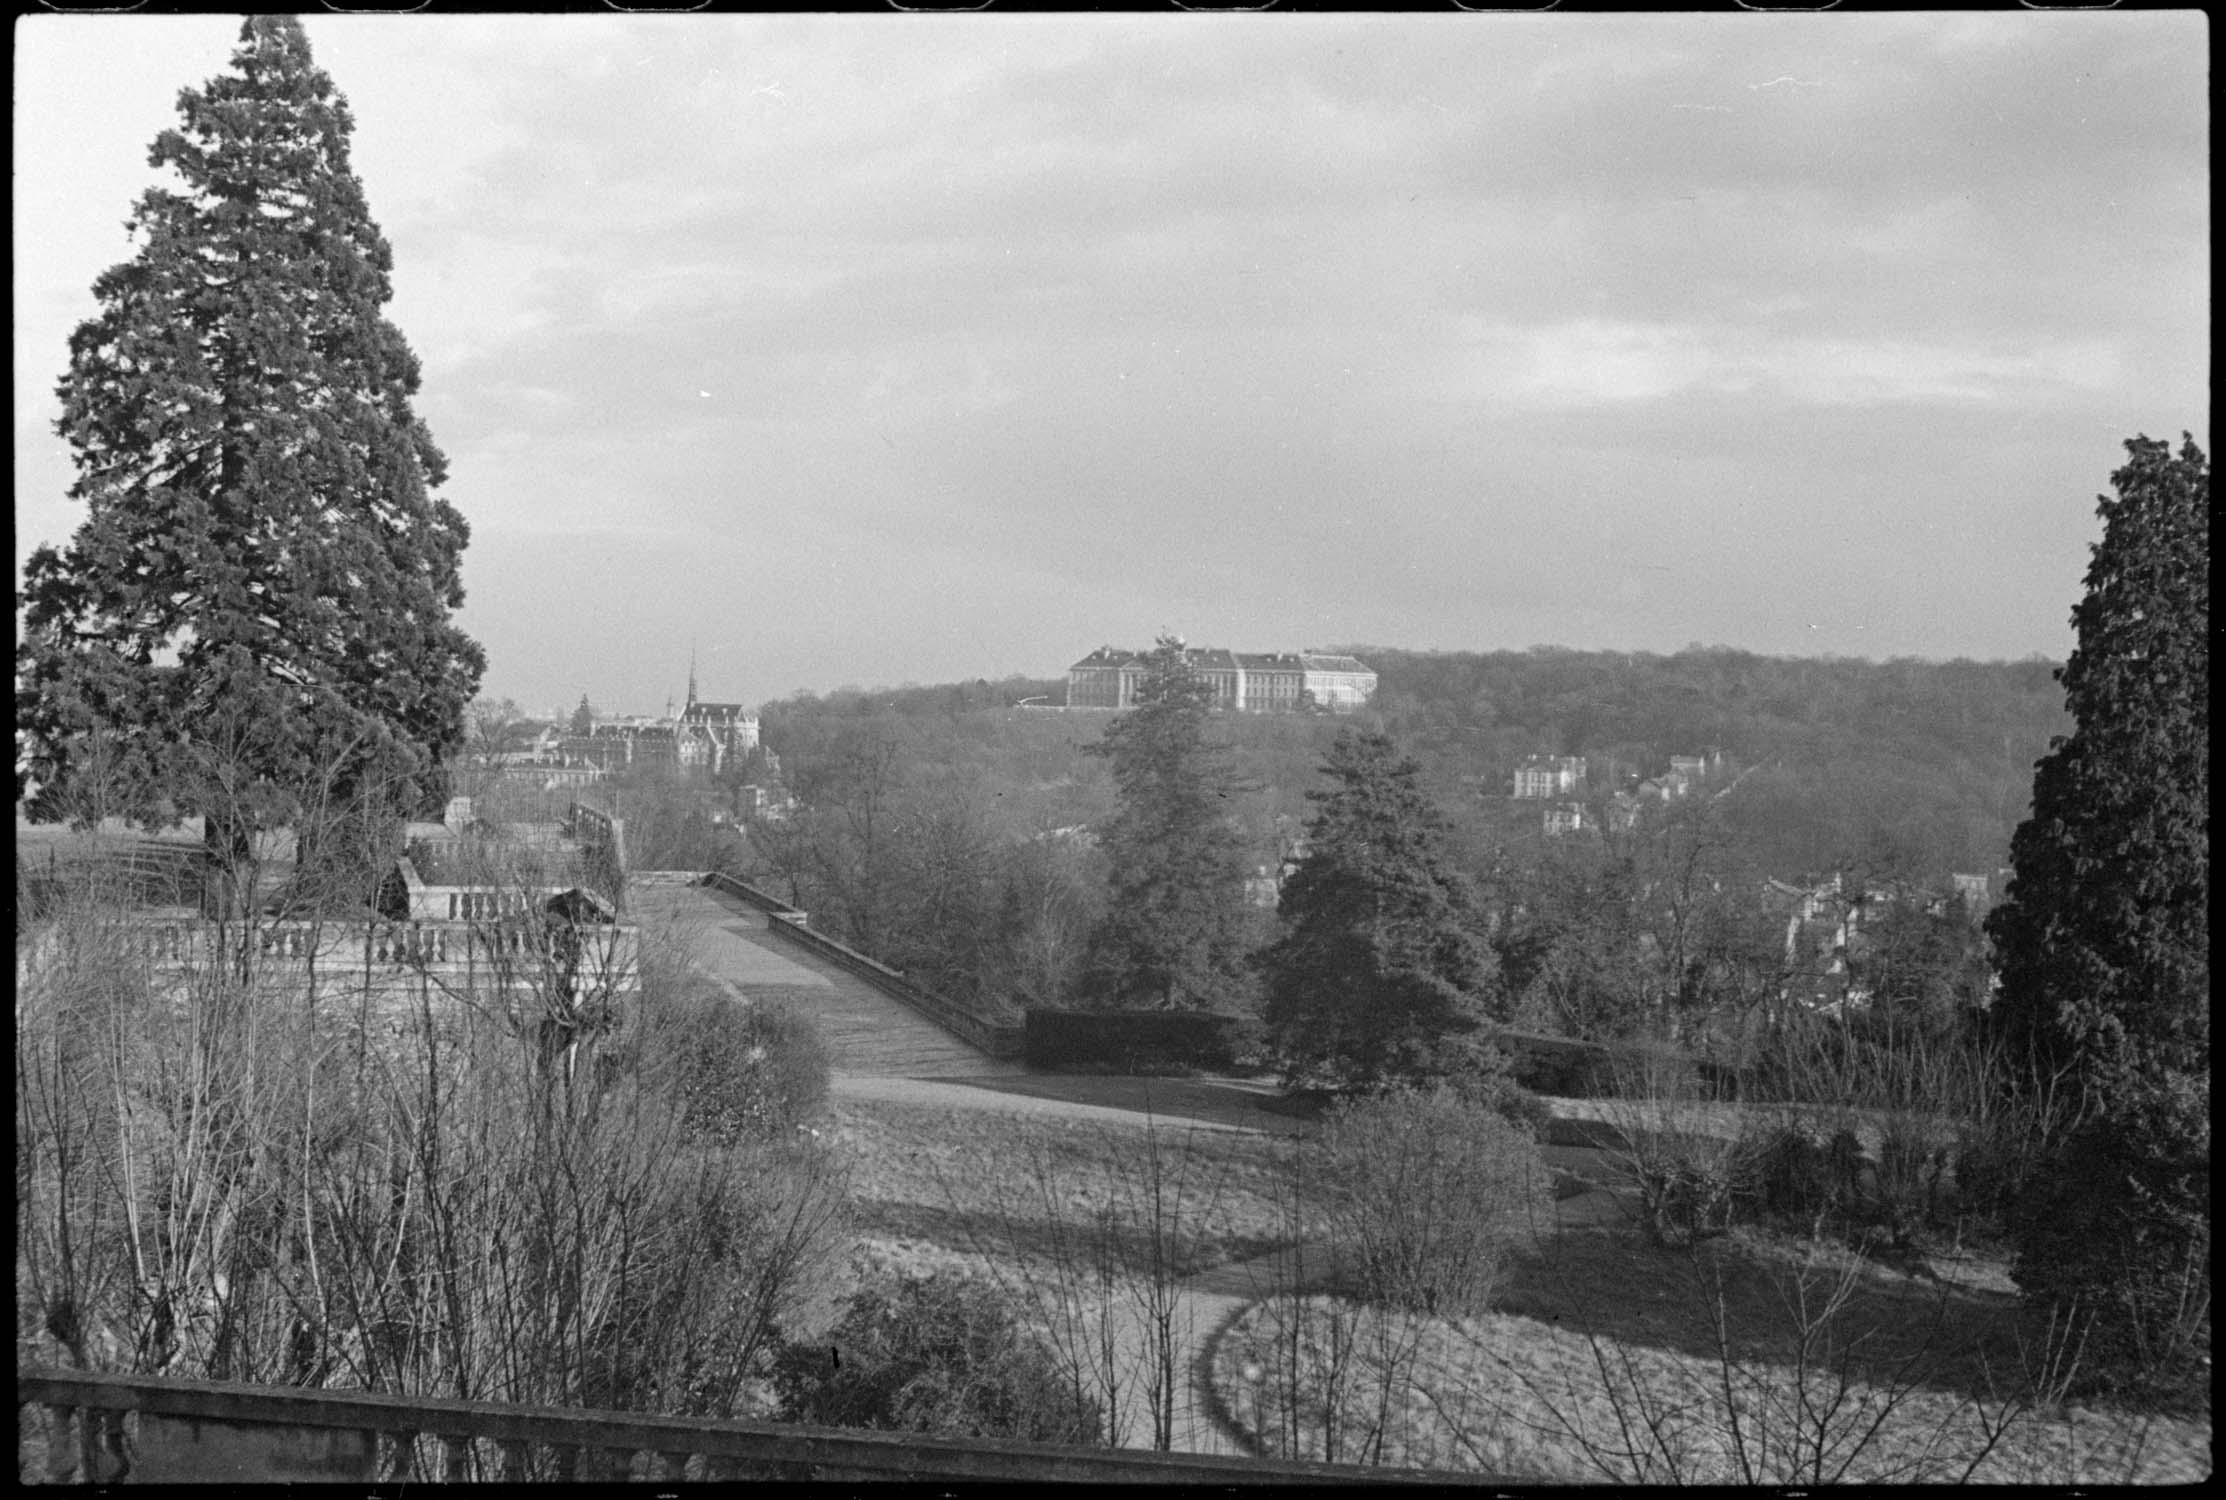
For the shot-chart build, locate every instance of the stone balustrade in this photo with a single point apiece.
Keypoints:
(594, 955)
(106, 1428)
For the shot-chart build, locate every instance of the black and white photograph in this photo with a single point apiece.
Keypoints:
(1113, 746)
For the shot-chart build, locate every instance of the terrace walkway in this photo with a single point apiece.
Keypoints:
(869, 1034)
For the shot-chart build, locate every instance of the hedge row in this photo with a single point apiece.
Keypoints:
(1140, 1041)
(1561, 1067)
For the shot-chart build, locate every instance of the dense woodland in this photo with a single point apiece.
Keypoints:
(1848, 759)
(949, 829)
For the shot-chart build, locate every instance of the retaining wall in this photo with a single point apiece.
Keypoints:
(994, 1038)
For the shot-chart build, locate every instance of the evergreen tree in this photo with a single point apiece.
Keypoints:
(1176, 929)
(1380, 965)
(256, 608)
(2104, 941)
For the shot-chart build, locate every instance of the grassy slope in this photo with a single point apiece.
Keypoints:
(943, 1187)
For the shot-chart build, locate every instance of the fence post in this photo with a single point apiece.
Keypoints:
(107, 1456)
(61, 1447)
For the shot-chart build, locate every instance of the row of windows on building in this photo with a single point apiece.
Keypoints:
(1243, 681)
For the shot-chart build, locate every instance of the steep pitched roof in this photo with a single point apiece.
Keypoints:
(1104, 658)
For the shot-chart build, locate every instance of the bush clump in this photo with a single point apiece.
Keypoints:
(1793, 1173)
(739, 1069)
(939, 1355)
(2116, 1232)
(1428, 1193)
(1487, 1076)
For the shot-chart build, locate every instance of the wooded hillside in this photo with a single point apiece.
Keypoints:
(1925, 765)
(1928, 763)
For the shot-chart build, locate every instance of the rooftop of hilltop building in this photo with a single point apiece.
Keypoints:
(1109, 657)
(1323, 661)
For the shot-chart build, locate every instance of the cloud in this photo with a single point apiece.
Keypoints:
(1416, 329)
(1593, 362)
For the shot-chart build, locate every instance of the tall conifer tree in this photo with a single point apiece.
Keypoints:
(1381, 963)
(2104, 940)
(1176, 928)
(259, 600)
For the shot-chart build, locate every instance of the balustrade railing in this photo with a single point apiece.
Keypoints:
(591, 954)
(105, 1428)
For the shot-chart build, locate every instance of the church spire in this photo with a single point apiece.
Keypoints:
(691, 674)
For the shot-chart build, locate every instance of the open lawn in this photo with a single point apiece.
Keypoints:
(1599, 1358)
(934, 1179)
(1604, 1359)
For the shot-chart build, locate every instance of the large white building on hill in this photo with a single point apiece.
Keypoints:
(1243, 681)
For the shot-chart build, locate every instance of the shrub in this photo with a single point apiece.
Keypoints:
(2004, 1138)
(1907, 1187)
(1427, 1194)
(740, 1069)
(1690, 1158)
(1562, 1067)
(942, 1355)
(1687, 1194)
(349, 1188)
(1791, 1175)
(2117, 1230)
(1558, 1067)
(1485, 1075)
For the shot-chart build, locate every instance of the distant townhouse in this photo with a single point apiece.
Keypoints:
(1698, 768)
(733, 727)
(1980, 892)
(543, 748)
(702, 738)
(1829, 920)
(1564, 818)
(1242, 682)
(1549, 776)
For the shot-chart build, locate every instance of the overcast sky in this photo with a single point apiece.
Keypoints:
(873, 350)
